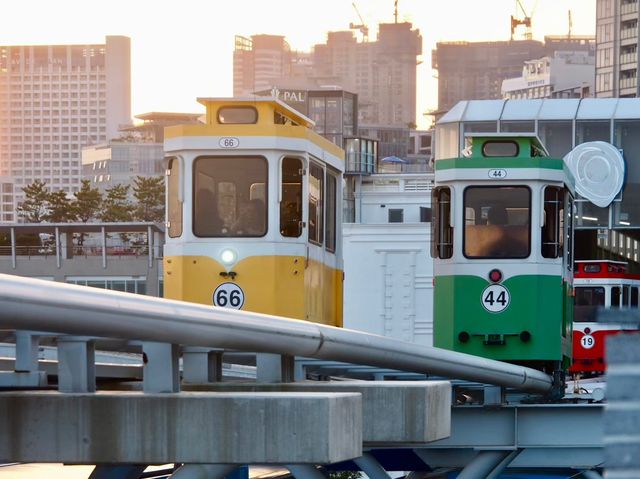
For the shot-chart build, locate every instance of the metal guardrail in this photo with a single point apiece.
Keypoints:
(86, 251)
(30, 304)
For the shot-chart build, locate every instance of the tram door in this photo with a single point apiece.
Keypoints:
(323, 284)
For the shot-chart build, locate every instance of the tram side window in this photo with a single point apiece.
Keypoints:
(332, 190)
(291, 194)
(634, 297)
(552, 234)
(174, 203)
(316, 204)
(230, 196)
(497, 222)
(616, 296)
(441, 229)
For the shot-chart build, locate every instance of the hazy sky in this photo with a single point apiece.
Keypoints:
(183, 50)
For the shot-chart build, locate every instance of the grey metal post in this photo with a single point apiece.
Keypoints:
(104, 246)
(13, 248)
(371, 467)
(150, 246)
(201, 365)
(274, 368)
(305, 471)
(26, 351)
(161, 373)
(76, 364)
(58, 248)
(204, 471)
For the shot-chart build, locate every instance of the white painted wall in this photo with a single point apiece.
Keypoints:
(388, 282)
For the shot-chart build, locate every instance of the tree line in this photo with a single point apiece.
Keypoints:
(89, 203)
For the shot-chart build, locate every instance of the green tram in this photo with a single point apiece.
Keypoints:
(502, 249)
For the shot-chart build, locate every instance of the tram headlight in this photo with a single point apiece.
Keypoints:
(228, 256)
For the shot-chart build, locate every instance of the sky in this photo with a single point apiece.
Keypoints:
(181, 51)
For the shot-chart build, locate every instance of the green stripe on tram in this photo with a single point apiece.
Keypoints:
(488, 163)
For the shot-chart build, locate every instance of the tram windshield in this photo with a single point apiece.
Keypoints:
(497, 222)
(230, 196)
(588, 299)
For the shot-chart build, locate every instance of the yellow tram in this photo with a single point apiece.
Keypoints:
(254, 211)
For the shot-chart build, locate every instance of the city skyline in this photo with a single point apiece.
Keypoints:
(179, 55)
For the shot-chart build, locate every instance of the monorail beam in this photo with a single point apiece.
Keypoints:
(27, 303)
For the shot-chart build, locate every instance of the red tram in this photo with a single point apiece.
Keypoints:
(597, 284)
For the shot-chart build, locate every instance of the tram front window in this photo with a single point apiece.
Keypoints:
(588, 299)
(230, 196)
(497, 222)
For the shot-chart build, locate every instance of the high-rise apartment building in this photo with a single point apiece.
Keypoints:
(258, 62)
(476, 70)
(617, 44)
(382, 73)
(55, 99)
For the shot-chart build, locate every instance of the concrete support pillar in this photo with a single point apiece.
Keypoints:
(26, 352)
(201, 365)
(161, 373)
(274, 368)
(371, 467)
(76, 364)
(128, 471)
(305, 471)
(487, 464)
(204, 471)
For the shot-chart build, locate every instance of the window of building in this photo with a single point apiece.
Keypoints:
(396, 215)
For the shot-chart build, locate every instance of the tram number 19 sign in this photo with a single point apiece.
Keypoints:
(495, 298)
(228, 295)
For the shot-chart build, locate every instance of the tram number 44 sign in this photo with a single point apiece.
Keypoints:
(495, 298)
(228, 295)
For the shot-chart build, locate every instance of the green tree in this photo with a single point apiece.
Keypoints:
(59, 208)
(34, 208)
(87, 202)
(116, 206)
(149, 195)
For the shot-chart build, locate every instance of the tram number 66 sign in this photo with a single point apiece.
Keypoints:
(495, 298)
(228, 295)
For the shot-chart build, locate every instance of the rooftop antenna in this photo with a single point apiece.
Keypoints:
(570, 26)
(361, 26)
(395, 11)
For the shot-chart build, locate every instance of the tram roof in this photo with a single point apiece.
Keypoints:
(543, 109)
(278, 105)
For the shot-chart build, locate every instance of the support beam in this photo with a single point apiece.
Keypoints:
(161, 367)
(201, 365)
(189, 428)
(274, 368)
(132, 471)
(371, 467)
(204, 471)
(301, 471)
(76, 364)
(483, 464)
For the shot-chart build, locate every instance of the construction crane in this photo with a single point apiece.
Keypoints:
(361, 26)
(526, 21)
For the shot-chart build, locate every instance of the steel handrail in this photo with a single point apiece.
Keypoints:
(32, 304)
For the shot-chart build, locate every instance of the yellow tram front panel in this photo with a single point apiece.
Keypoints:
(273, 271)
(278, 285)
